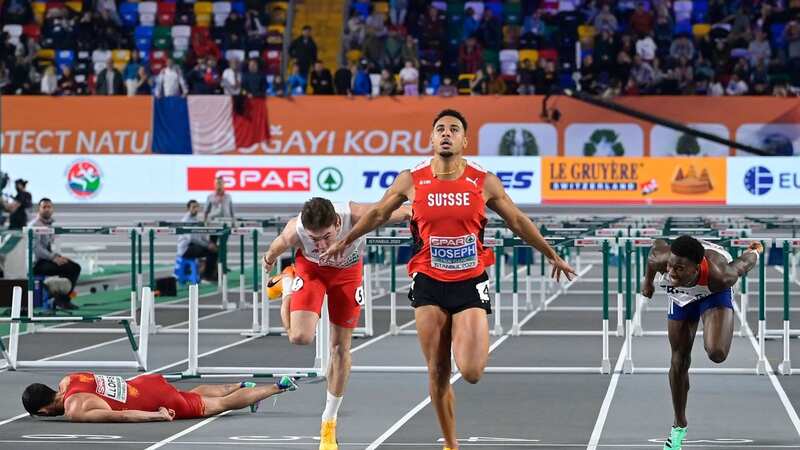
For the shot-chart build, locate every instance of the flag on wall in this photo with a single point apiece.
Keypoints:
(208, 124)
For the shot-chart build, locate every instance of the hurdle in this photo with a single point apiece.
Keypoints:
(180, 228)
(139, 349)
(34, 324)
(603, 368)
(195, 370)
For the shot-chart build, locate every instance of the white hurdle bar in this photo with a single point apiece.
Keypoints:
(194, 369)
(140, 349)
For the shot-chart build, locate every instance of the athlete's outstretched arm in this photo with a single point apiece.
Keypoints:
(498, 200)
(380, 213)
(101, 415)
(399, 215)
(287, 239)
(656, 263)
(741, 265)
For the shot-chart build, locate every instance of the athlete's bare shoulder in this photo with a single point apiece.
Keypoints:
(659, 254)
(717, 265)
(403, 185)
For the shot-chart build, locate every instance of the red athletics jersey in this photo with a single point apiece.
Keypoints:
(447, 223)
(143, 393)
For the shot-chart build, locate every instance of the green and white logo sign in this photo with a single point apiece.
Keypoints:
(330, 179)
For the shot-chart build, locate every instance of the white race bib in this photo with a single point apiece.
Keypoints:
(454, 253)
(112, 387)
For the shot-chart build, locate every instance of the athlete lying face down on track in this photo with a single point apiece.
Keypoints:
(698, 278)
(87, 397)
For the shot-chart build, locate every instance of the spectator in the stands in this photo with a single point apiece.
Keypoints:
(736, 86)
(276, 87)
(377, 21)
(393, 51)
(409, 79)
(253, 81)
(490, 31)
(170, 81)
(431, 29)
(232, 78)
(109, 81)
(108, 8)
(447, 89)
(144, 82)
(304, 50)
(534, 23)
(296, 82)
(470, 56)
(362, 85)
(49, 263)
(681, 47)
(49, 84)
(642, 20)
(373, 50)
(321, 80)
(198, 246)
(343, 80)
(21, 78)
(526, 78)
(388, 85)
(355, 31)
(759, 48)
(66, 83)
(471, 24)
(234, 26)
(495, 85)
(605, 20)
(131, 72)
(411, 50)
(646, 48)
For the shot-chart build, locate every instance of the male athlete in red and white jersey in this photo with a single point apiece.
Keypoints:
(319, 224)
(450, 290)
(87, 397)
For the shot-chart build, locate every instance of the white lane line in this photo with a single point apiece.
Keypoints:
(787, 404)
(416, 409)
(597, 431)
(169, 439)
(11, 419)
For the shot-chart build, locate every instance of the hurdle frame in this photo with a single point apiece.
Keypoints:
(140, 349)
(33, 323)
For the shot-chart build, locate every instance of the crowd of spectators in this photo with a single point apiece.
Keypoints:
(700, 47)
(410, 47)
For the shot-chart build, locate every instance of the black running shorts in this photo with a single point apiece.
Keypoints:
(452, 296)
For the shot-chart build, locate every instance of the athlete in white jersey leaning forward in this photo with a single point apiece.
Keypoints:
(698, 278)
(319, 224)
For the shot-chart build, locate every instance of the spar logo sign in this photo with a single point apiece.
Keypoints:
(84, 179)
(251, 179)
(758, 180)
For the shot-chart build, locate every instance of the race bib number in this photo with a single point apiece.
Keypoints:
(454, 253)
(112, 387)
(360, 295)
(483, 291)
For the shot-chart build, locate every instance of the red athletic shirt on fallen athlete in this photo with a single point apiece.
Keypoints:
(447, 224)
(143, 393)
